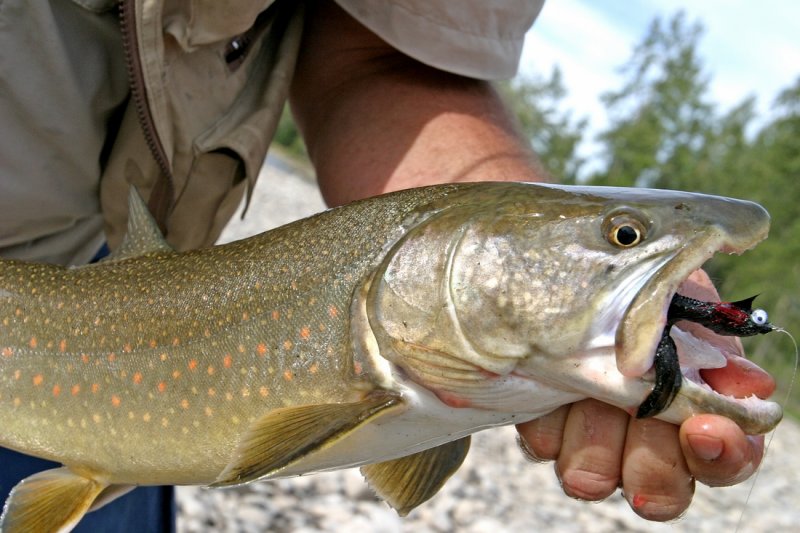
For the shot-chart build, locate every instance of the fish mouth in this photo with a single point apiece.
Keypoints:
(702, 354)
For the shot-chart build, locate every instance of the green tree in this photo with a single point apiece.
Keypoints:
(660, 117)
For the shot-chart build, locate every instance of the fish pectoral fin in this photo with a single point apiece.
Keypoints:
(53, 500)
(409, 481)
(284, 436)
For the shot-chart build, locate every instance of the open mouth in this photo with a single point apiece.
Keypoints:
(696, 346)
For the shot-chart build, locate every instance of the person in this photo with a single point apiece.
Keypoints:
(387, 95)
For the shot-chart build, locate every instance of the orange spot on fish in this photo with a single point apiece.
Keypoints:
(153, 343)
(287, 375)
(176, 341)
(261, 349)
(84, 358)
(210, 370)
(453, 400)
(56, 390)
(162, 386)
(333, 312)
(137, 378)
(264, 392)
(7, 352)
(305, 333)
(212, 392)
(287, 345)
(62, 345)
(193, 364)
(115, 401)
(185, 403)
(228, 361)
(33, 343)
(37, 379)
(245, 316)
(95, 387)
(276, 315)
(127, 348)
(76, 389)
(146, 417)
(17, 374)
(112, 357)
(314, 368)
(358, 368)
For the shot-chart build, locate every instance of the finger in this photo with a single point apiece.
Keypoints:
(589, 463)
(717, 451)
(655, 477)
(540, 439)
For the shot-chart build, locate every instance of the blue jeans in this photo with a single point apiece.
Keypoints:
(143, 510)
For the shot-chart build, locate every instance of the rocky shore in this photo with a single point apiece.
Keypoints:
(495, 491)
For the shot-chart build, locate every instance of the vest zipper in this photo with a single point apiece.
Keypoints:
(162, 196)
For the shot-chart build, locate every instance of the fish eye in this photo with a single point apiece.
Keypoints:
(759, 316)
(624, 231)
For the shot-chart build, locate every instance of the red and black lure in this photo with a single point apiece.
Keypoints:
(724, 318)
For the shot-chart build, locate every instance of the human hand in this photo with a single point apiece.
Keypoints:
(598, 447)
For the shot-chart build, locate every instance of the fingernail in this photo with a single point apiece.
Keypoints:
(705, 447)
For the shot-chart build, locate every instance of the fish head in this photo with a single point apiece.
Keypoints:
(521, 296)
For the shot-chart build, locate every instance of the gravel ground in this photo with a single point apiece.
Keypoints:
(495, 491)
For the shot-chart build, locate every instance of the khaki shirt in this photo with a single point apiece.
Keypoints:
(213, 79)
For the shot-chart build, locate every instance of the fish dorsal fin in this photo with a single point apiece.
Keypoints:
(409, 481)
(53, 500)
(285, 436)
(142, 236)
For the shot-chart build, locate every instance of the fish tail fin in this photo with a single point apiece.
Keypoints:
(53, 500)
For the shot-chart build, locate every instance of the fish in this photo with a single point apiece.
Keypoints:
(380, 335)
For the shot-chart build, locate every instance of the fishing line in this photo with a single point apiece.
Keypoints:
(772, 435)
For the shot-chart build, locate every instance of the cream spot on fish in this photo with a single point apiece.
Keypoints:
(131, 415)
(287, 345)
(164, 357)
(287, 375)
(70, 423)
(209, 411)
(333, 312)
(245, 392)
(313, 368)
(210, 370)
(164, 422)
(176, 374)
(37, 380)
(17, 401)
(264, 392)
(185, 403)
(146, 417)
(176, 341)
(185, 430)
(97, 418)
(235, 420)
(127, 348)
(212, 391)
(228, 396)
(17, 374)
(241, 348)
(153, 343)
(83, 423)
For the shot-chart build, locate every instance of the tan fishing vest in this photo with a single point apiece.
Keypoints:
(209, 81)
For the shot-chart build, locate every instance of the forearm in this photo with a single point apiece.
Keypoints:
(375, 120)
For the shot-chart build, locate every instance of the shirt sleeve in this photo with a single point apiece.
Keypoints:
(479, 39)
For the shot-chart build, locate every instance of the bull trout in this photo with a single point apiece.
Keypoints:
(379, 334)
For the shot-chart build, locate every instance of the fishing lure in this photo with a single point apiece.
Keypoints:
(724, 318)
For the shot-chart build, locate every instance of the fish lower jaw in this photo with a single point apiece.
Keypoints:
(752, 414)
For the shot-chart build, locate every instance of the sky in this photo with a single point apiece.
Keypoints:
(748, 48)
